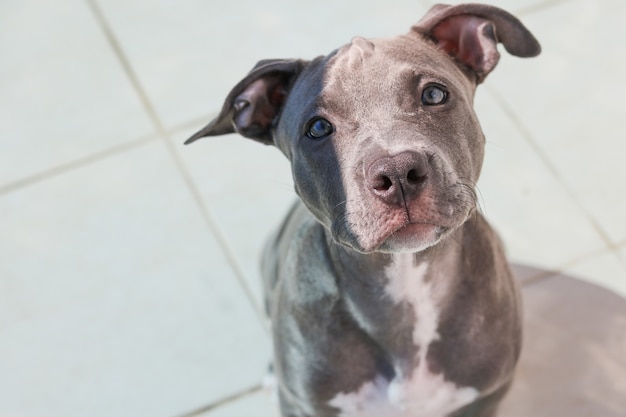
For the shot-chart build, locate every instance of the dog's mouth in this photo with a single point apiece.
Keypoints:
(394, 237)
(414, 229)
(392, 231)
(369, 224)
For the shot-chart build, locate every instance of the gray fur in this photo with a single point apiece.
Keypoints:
(389, 193)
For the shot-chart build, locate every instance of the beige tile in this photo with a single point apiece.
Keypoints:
(63, 94)
(114, 298)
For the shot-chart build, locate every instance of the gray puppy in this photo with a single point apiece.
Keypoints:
(388, 292)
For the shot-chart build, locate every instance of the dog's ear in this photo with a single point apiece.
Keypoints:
(470, 33)
(253, 105)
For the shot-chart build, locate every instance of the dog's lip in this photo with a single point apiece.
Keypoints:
(413, 231)
(407, 236)
(405, 231)
(416, 227)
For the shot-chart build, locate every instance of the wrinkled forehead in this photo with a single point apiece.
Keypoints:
(376, 60)
(373, 70)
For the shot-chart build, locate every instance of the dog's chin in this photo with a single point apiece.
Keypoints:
(409, 238)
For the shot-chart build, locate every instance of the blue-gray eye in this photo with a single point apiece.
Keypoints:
(319, 128)
(433, 95)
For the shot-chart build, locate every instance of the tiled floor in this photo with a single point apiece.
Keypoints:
(128, 281)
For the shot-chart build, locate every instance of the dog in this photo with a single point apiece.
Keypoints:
(388, 292)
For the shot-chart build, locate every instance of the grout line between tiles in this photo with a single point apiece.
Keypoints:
(232, 398)
(76, 164)
(180, 165)
(612, 251)
(540, 277)
(549, 273)
(548, 164)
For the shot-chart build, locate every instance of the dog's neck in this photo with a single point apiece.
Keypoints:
(409, 290)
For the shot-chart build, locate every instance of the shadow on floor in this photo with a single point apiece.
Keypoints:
(573, 361)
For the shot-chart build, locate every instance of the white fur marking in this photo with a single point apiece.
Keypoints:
(406, 283)
(369, 401)
(423, 393)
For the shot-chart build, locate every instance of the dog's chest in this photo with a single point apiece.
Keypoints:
(416, 392)
(423, 395)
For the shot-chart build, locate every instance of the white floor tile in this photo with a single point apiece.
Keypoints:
(257, 404)
(518, 8)
(248, 188)
(539, 223)
(606, 270)
(114, 299)
(189, 55)
(621, 253)
(63, 94)
(570, 99)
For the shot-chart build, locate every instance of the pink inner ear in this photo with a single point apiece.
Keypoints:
(471, 40)
(258, 113)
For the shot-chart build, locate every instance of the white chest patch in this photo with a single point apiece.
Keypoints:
(422, 393)
(407, 284)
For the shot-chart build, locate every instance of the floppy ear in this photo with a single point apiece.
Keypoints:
(253, 105)
(470, 33)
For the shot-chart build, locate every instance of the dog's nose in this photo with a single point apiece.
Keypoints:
(398, 179)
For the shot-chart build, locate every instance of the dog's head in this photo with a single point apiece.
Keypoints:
(384, 144)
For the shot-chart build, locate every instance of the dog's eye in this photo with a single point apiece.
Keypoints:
(319, 128)
(433, 95)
